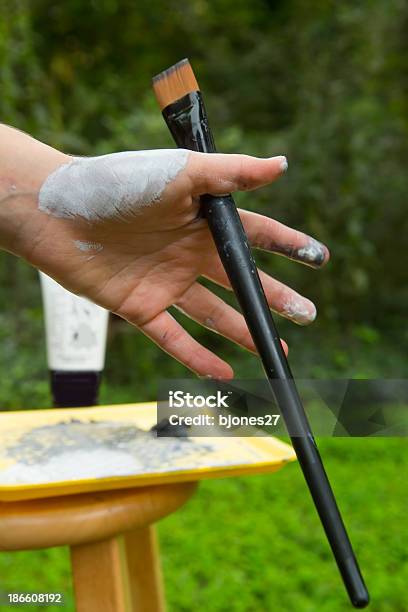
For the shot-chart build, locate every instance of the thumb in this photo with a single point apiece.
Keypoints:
(218, 173)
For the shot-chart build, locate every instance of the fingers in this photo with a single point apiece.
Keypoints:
(283, 300)
(165, 331)
(270, 235)
(218, 173)
(213, 313)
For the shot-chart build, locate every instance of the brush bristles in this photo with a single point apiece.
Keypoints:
(174, 83)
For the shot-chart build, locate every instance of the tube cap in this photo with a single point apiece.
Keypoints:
(74, 389)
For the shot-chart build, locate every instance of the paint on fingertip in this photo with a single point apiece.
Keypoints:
(299, 310)
(283, 164)
(87, 246)
(313, 253)
(115, 186)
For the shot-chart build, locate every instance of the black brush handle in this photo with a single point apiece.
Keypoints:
(188, 124)
(235, 253)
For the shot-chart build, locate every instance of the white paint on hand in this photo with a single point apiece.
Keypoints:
(87, 246)
(312, 252)
(299, 309)
(110, 186)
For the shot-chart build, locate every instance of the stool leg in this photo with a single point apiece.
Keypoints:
(145, 579)
(100, 576)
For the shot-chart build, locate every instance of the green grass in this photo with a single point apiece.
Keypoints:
(254, 544)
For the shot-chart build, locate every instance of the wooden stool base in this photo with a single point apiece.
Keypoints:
(145, 577)
(121, 574)
(114, 550)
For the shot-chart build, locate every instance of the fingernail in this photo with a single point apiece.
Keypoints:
(283, 162)
(299, 310)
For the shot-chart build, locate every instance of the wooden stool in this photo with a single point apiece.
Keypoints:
(114, 551)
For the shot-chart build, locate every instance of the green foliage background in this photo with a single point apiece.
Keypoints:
(324, 83)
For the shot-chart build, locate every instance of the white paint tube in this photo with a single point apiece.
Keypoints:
(76, 331)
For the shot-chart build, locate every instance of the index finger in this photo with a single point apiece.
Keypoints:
(219, 173)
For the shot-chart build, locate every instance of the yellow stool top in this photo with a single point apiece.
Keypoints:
(53, 452)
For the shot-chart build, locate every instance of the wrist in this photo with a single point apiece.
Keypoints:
(23, 173)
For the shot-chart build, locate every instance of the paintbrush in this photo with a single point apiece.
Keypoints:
(183, 109)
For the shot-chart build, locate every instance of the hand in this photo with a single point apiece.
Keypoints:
(137, 257)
